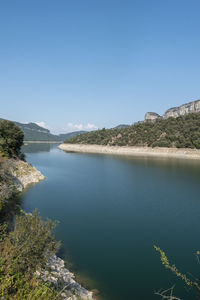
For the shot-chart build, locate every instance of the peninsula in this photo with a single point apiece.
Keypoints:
(175, 135)
(133, 151)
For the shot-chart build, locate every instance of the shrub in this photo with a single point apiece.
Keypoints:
(22, 251)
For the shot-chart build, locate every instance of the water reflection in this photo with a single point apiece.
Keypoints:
(38, 147)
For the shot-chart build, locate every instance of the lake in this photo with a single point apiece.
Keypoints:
(112, 210)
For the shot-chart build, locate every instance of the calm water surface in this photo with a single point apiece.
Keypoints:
(112, 210)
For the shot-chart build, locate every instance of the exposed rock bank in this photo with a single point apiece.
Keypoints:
(63, 280)
(151, 116)
(19, 173)
(16, 174)
(183, 153)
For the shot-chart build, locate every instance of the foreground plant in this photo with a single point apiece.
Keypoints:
(23, 251)
(167, 294)
(188, 282)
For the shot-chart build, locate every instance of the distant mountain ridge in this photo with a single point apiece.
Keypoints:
(34, 132)
(32, 126)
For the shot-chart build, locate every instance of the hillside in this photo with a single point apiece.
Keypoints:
(180, 132)
(34, 132)
(121, 126)
(64, 136)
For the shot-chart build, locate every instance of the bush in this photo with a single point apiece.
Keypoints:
(23, 251)
(33, 240)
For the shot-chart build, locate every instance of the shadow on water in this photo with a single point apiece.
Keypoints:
(179, 165)
(38, 147)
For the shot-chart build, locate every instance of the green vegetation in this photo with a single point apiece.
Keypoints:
(34, 132)
(191, 283)
(11, 139)
(181, 132)
(27, 243)
(23, 251)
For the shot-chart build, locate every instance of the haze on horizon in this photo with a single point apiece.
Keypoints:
(83, 65)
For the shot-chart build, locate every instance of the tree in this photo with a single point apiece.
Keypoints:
(11, 138)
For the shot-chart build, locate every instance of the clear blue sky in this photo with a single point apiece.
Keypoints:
(70, 63)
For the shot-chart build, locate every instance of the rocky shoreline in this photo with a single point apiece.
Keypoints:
(18, 174)
(183, 153)
(24, 174)
(63, 280)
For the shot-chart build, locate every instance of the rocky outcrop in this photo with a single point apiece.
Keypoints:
(151, 116)
(191, 107)
(63, 280)
(19, 173)
(15, 174)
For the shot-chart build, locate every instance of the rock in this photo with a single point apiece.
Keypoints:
(191, 107)
(18, 174)
(62, 279)
(151, 116)
(37, 273)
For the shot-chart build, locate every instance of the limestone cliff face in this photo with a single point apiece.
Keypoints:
(151, 116)
(24, 174)
(191, 107)
(184, 109)
(16, 174)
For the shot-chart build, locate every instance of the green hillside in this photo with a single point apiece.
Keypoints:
(181, 132)
(64, 136)
(34, 132)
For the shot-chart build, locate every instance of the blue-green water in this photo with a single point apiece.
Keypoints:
(112, 210)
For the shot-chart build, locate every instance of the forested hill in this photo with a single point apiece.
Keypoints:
(181, 132)
(34, 132)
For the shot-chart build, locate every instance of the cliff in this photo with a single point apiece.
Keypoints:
(19, 174)
(16, 174)
(191, 107)
(151, 116)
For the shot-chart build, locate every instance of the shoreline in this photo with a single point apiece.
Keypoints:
(64, 280)
(21, 175)
(183, 153)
